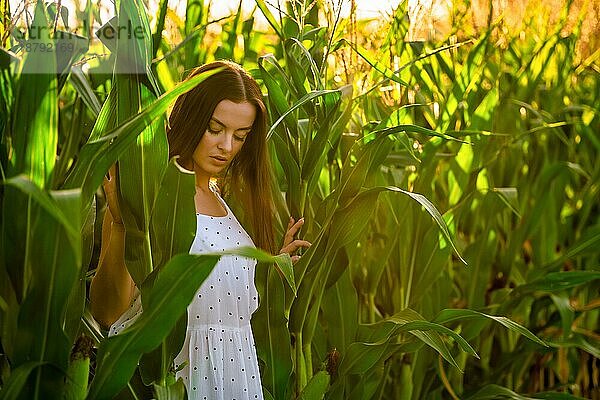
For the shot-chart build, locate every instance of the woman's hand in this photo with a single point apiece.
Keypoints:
(290, 244)
(110, 192)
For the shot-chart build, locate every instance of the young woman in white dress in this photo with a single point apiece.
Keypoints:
(218, 129)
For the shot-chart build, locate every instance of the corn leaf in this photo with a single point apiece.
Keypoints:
(165, 302)
(55, 269)
(96, 156)
(316, 387)
(449, 315)
(269, 326)
(11, 389)
(558, 281)
(46, 201)
(305, 99)
(84, 89)
(172, 228)
(35, 131)
(270, 18)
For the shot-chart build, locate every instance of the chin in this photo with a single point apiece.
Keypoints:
(217, 171)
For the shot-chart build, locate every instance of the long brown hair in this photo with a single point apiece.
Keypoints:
(248, 176)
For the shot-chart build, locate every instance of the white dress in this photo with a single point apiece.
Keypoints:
(219, 346)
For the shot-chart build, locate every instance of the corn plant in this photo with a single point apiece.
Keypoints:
(477, 151)
(48, 207)
(503, 199)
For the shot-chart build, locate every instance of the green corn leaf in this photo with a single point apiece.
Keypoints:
(369, 156)
(557, 396)
(449, 315)
(430, 338)
(576, 341)
(283, 262)
(98, 155)
(378, 65)
(107, 116)
(360, 357)
(497, 391)
(318, 148)
(435, 214)
(11, 389)
(25, 185)
(172, 228)
(562, 302)
(508, 196)
(175, 391)
(297, 71)
(7, 60)
(160, 25)
(172, 231)
(272, 336)
(300, 54)
(340, 310)
(588, 243)
(412, 128)
(165, 300)
(343, 226)
(194, 29)
(348, 222)
(55, 269)
(70, 48)
(84, 89)
(276, 80)
(164, 303)
(3, 305)
(270, 18)
(493, 391)
(35, 131)
(141, 168)
(426, 325)
(288, 162)
(134, 50)
(316, 387)
(305, 99)
(558, 281)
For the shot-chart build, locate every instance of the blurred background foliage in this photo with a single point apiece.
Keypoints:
(432, 135)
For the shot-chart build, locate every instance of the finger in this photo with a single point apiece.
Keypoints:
(295, 245)
(287, 238)
(292, 230)
(110, 181)
(110, 191)
(296, 227)
(295, 259)
(112, 171)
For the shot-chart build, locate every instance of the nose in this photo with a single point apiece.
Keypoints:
(226, 143)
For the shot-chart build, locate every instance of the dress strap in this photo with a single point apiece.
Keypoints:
(212, 185)
(215, 189)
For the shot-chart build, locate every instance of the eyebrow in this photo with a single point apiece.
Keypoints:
(223, 125)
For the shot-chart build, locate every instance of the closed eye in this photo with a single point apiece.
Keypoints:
(214, 128)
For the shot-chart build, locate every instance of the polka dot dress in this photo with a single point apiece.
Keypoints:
(219, 346)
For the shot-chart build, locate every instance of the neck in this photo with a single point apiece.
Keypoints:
(202, 181)
(203, 187)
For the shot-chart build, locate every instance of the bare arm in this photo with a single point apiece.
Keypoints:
(112, 288)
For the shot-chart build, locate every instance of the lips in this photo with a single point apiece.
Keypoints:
(219, 158)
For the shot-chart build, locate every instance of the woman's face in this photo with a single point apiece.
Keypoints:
(227, 130)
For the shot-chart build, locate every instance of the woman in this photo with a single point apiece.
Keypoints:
(218, 129)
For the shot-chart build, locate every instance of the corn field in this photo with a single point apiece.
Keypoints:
(449, 182)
